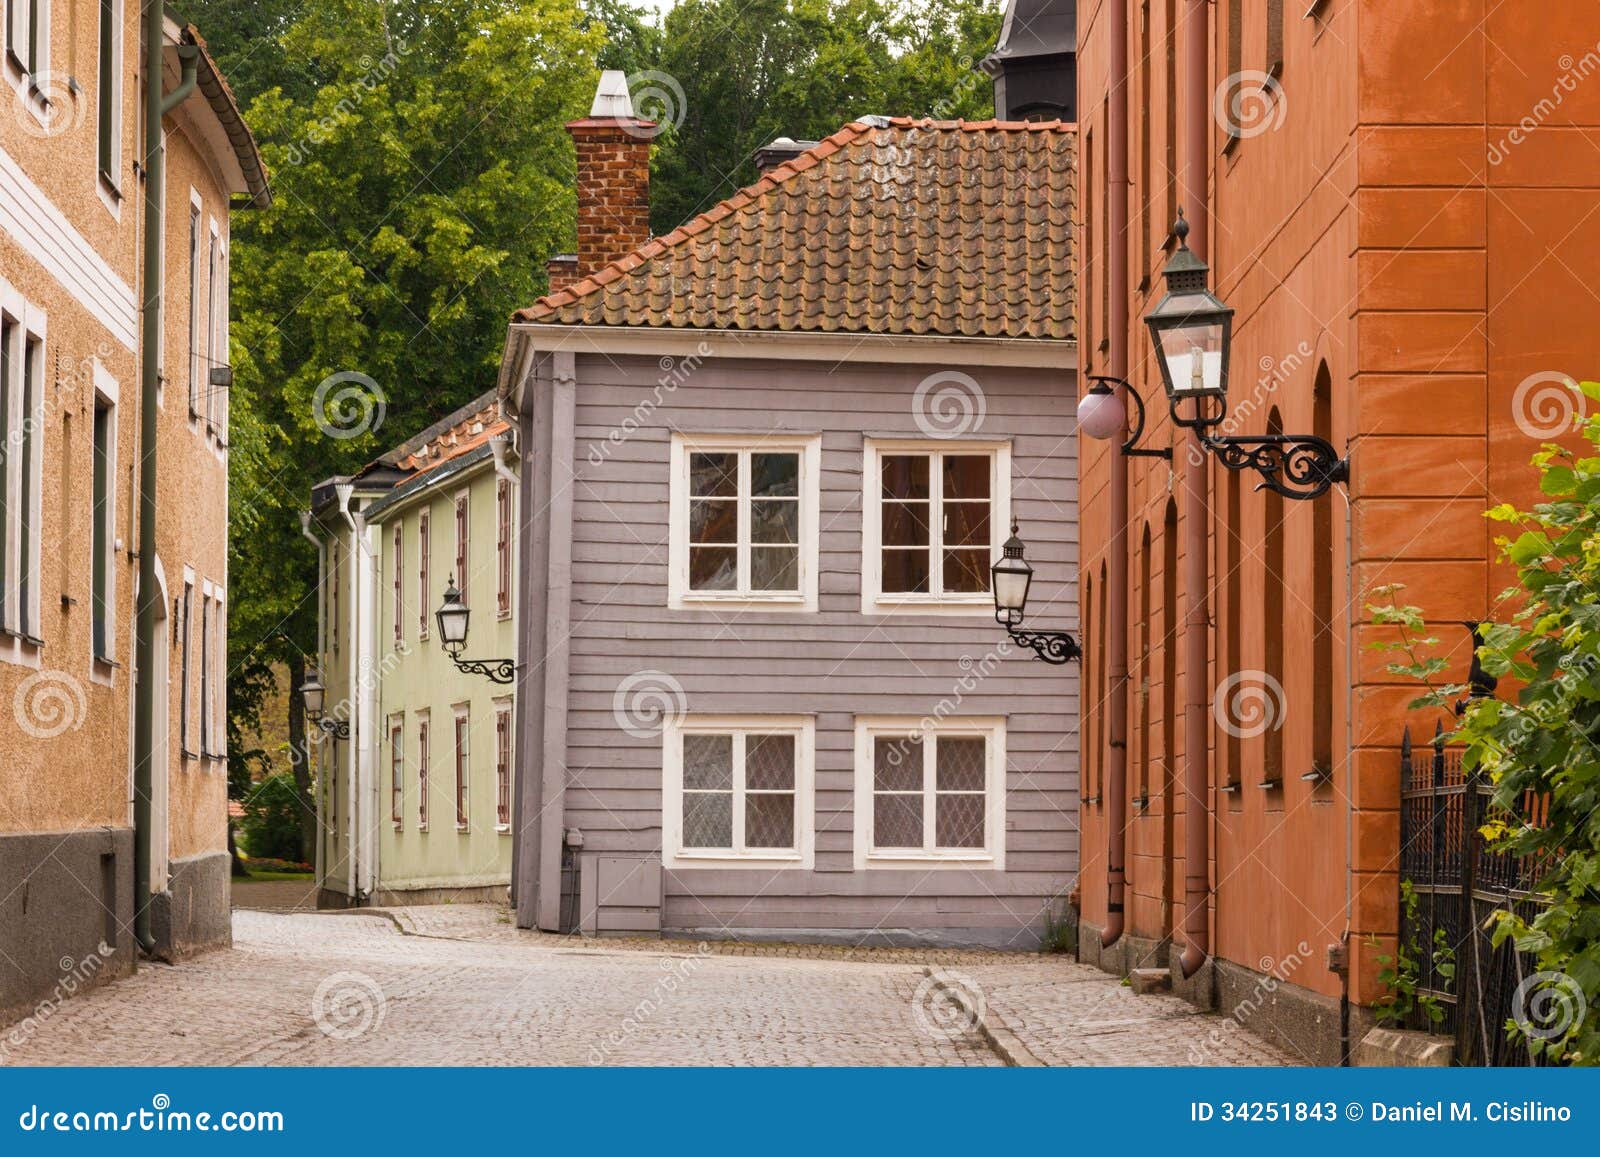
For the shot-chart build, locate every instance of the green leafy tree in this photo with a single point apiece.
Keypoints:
(271, 825)
(1541, 750)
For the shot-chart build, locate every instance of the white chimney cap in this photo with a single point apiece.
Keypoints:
(611, 97)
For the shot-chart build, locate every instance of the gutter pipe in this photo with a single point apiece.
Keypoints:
(1196, 733)
(342, 492)
(322, 578)
(1115, 790)
(144, 701)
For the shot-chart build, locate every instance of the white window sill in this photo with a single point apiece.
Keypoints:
(715, 859)
(704, 601)
(503, 829)
(463, 828)
(928, 605)
(982, 861)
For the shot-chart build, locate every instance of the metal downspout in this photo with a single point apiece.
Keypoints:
(1115, 789)
(343, 492)
(1196, 734)
(144, 701)
(322, 578)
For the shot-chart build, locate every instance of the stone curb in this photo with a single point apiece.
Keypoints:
(1000, 1036)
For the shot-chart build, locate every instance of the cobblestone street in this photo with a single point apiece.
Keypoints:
(458, 985)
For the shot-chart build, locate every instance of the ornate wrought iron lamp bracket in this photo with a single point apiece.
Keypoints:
(1299, 466)
(1056, 647)
(495, 670)
(334, 728)
(1131, 447)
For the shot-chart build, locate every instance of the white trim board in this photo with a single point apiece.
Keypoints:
(29, 217)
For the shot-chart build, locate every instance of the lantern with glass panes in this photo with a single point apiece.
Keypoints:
(1012, 578)
(452, 617)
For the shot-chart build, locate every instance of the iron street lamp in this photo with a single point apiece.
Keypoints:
(1193, 335)
(452, 617)
(315, 694)
(1012, 576)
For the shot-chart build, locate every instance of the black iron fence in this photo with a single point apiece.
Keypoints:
(1457, 885)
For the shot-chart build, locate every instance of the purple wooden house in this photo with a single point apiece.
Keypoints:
(767, 462)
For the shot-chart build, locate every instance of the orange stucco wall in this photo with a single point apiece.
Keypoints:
(1408, 216)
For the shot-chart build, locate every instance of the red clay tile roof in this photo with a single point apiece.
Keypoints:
(466, 429)
(890, 227)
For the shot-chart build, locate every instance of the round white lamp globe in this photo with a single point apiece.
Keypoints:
(1100, 414)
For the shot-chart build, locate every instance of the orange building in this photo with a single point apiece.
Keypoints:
(1398, 201)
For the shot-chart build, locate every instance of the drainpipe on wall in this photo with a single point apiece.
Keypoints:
(501, 446)
(1196, 734)
(342, 492)
(1115, 789)
(322, 578)
(144, 701)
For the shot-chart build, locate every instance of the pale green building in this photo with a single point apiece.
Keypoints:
(416, 767)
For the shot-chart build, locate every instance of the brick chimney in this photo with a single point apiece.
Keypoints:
(613, 182)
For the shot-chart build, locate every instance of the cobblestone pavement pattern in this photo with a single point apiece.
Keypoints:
(458, 985)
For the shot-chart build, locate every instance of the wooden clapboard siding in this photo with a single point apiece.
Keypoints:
(835, 663)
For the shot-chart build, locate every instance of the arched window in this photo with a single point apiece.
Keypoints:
(1093, 702)
(1143, 686)
(1169, 713)
(1322, 688)
(1272, 620)
(1233, 585)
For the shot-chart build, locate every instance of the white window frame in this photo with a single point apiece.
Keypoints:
(186, 697)
(23, 73)
(461, 765)
(23, 428)
(461, 561)
(397, 770)
(992, 856)
(208, 357)
(803, 728)
(397, 567)
(196, 347)
(424, 560)
(424, 764)
(503, 710)
(874, 600)
(219, 675)
(108, 104)
(107, 391)
(505, 538)
(809, 447)
(207, 610)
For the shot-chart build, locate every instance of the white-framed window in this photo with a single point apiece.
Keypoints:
(739, 790)
(934, 515)
(397, 770)
(103, 519)
(219, 677)
(185, 667)
(28, 36)
(930, 795)
(108, 95)
(397, 565)
(210, 361)
(463, 531)
(424, 549)
(22, 385)
(463, 754)
(744, 520)
(502, 765)
(503, 545)
(194, 309)
(205, 669)
(422, 770)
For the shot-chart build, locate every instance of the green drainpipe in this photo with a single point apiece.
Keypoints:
(156, 108)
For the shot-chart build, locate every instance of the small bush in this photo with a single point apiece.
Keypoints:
(271, 826)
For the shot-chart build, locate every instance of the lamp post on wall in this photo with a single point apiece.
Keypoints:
(315, 695)
(1012, 577)
(452, 617)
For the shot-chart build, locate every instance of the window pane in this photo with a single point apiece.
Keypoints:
(714, 520)
(708, 819)
(714, 475)
(775, 568)
(958, 821)
(905, 476)
(905, 571)
(769, 820)
(713, 568)
(966, 476)
(966, 571)
(905, 524)
(896, 821)
(897, 763)
(966, 524)
(775, 520)
(958, 763)
(774, 475)
(708, 762)
(769, 762)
